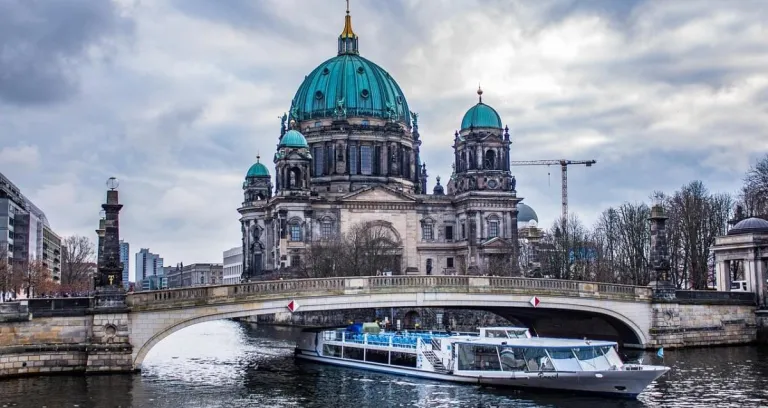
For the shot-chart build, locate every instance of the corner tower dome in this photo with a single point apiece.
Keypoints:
(481, 115)
(258, 170)
(293, 138)
(349, 85)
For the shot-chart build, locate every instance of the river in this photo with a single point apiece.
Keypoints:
(229, 364)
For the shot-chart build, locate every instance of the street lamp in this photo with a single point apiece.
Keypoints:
(112, 183)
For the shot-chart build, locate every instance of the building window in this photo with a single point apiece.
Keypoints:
(365, 122)
(318, 124)
(295, 232)
(426, 232)
(463, 231)
(449, 232)
(366, 161)
(318, 158)
(326, 229)
(493, 228)
(352, 159)
(449, 262)
(429, 266)
(295, 260)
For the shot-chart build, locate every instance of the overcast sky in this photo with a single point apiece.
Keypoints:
(177, 97)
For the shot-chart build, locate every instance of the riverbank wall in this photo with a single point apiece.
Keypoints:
(78, 341)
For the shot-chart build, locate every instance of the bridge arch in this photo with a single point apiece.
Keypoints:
(151, 326)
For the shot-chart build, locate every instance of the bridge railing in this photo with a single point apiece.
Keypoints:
(325, 286)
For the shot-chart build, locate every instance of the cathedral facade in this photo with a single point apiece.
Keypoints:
(349, 153)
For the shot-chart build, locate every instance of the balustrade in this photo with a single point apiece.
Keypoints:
(378, 283)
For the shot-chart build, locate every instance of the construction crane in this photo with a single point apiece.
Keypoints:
(564, 170)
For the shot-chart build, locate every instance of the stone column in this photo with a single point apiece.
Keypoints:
(760, 283)
(723, 276)
(110, 292)
(662, 283)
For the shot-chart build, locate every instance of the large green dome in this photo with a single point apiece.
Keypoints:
(357, 84)
(293, 138)
(257, 170)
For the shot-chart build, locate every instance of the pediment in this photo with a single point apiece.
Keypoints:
(378, 194)
(497, 242)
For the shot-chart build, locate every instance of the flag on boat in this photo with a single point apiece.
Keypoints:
(660, 353)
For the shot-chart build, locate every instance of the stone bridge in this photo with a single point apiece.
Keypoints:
(119, 339)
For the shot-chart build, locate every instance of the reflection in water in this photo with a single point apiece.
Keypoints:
(226, 364)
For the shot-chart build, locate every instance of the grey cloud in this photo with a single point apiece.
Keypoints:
(43, 42)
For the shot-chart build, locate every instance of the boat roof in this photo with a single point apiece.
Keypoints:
(532, 342)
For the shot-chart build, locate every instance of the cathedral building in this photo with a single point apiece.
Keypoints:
(348, 152)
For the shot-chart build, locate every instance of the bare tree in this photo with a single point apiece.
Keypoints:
(754, 193)
(34, 278)
(366, 249)
(10, 281)
(623, 236)
(696, 218)
(78, 255)
(566, 251)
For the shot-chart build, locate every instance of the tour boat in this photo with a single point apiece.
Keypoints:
(496, 356)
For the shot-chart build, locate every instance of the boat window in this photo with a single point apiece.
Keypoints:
(331, 351)
(377, 356)
(612, 356)
(564, 359)
(496, 333)
(403, 359)
(353, 353)
(517, 334)
(591, 358)
(512, 359)
(538, 360)
(478, 357)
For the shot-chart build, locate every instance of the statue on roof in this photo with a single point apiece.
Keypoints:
(391, 112)
(415, 117)
(294, 112)
(283, 119)
(340, 112)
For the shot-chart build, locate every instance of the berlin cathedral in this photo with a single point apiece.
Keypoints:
(349, 152)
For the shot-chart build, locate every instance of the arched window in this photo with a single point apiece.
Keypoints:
(427, 229)
(494, 226)
(490, 159)
(295, 230)
(295, 178)
(326, 228)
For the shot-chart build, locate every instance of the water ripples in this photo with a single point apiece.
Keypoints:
(232, 365)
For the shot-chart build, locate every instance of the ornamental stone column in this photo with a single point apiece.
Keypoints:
(662, 285)
(110, 292)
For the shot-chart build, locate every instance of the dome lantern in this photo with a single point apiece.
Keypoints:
(348, 38)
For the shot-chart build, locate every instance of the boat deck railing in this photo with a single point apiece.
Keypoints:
(408, 340)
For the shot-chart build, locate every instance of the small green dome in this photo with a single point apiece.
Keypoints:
(293, 138)
(358, 85)
(257, 170)
(481, 115)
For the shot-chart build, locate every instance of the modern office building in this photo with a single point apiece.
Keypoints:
(25, 234)
(125, 250)
(52, 252)
(233, 265)
(149, 269)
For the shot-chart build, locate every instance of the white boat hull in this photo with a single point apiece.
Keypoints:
(626, 384)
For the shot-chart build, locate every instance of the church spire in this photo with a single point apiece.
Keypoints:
(348, 38)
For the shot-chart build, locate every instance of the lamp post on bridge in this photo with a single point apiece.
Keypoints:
(662, 285)
(110, 292)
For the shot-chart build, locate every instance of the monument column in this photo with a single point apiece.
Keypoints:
(109, 288)
(662, 281)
